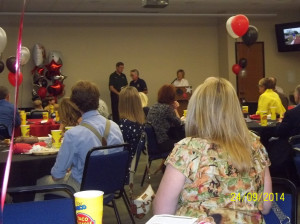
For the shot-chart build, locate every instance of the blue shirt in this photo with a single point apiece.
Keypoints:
(7, 115)
(79, 140)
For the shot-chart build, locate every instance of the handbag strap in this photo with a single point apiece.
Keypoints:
(103, 139)
(280, 214)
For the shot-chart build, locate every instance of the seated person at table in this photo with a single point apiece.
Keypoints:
(180, 81)
(37, 103)
(7, 111)
(69, 113)
(69, 165)
(219, 162)
(132, 117)
(290, 124)
(165, 119)
(103, 109)
(268, 98)
(144, 100)
(51, 104)
(282, 96)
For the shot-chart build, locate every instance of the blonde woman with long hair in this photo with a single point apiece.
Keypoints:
(211, 172)
(132, 117)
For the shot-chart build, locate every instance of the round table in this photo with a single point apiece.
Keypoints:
(38, 129)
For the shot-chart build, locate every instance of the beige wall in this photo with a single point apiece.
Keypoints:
(157, 48)
(91, 51)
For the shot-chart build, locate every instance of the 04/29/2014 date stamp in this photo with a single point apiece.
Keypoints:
(257, 197)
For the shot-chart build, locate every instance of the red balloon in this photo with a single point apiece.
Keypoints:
(236, 68)
(42, 92)
(54, 67)
(56, 89)
(240, 25)
(12, 78)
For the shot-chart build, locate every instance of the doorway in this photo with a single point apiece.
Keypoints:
(247, 87)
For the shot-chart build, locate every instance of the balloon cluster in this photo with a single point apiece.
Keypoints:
(11, 61)
(238, 26)
(11, 66)
(47, 77)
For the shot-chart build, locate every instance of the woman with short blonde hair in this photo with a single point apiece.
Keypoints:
(211, 173)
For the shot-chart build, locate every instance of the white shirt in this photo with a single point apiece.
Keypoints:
(279, 89)
(182, 82)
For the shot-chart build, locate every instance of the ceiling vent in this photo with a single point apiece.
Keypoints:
(155, 3)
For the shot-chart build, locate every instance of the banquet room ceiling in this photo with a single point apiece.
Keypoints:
(132, 7)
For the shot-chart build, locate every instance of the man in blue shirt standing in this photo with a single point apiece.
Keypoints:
(7, 111)
(69, 165)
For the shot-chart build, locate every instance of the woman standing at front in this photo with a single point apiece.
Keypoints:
(218, 163)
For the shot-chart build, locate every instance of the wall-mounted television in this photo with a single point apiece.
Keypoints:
(288, 36)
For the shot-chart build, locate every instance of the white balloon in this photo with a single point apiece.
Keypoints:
(25, 55)
(229, 28)
(54, 55)
(3, 40)
(38, 54)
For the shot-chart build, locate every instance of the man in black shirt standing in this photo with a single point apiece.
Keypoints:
(138, 83)
(117, 80)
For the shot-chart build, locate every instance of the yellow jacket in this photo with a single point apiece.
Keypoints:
(270, 99)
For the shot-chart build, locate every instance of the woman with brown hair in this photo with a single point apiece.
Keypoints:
(163, 116)
(69, 113)
(220, 172)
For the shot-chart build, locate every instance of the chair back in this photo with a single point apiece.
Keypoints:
(105, 172)
(151, 140)
(3, 132)
(37, 114)
(286, 197)
(46, 212)
(140, 147)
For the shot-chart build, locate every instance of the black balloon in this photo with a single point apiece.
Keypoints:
(251, 36)
(1, 66)
(44, 83)
(243, 62)
(11, 64)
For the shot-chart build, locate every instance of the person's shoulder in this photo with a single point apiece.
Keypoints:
(113, 74)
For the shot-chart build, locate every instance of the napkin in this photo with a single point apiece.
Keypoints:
(171, 219)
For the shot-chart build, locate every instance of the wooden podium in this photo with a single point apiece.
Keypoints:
(183, 95)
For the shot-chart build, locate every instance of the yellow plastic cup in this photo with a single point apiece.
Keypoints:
(245, 109)
(56, 116)
(273, 113)
(45, 115)
(23, 118)
(89, 206)
(25, 130)
(56, 138)
(263, 118)
(184, 113)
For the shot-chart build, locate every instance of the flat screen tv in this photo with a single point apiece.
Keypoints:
(288, 36)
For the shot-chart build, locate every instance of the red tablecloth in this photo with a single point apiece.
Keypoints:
(38, 129)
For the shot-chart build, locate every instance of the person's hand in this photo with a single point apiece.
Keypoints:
(280, 120)
(175, 104)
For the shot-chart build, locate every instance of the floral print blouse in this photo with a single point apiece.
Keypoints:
(213, 186)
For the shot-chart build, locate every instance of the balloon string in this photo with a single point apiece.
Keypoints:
(8, 162)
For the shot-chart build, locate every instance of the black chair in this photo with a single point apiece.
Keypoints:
(295, 142)
(46, 212)
(153, 151)
(37, 114)
(286, 196)
(107, 173)
(3, 132)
